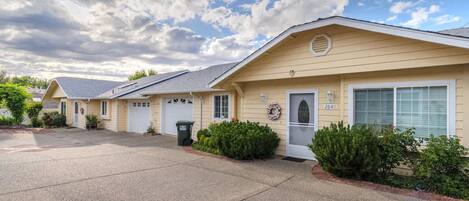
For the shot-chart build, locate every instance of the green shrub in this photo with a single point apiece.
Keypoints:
(203, 132)
(347, 151)
(243, 140)
(441, 167)
(54, 119)
(33, 109)
(91, 119)
(14, 97)
(36, 122)
(396, 148)
(151, 129)
(7, 121)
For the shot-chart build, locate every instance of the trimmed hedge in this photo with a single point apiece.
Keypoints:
(54, 119)
(238, 140)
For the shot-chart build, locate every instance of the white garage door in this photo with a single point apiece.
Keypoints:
(138, 116)
(176, 109)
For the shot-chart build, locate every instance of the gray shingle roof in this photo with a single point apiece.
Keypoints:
(464, 32)
(80, 88)
(127, 88)
(194, 81)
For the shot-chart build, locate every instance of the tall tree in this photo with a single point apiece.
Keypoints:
(142, 73)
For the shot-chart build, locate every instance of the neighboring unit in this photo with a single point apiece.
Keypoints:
(329, 70)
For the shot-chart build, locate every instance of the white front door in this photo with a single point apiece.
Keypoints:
(138, 116)
(176, 109)
(302, 123)
(76, 112)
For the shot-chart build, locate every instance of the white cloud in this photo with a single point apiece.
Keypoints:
(420, 15)
(111, 38)
(270, 21)
(391, 18)
(361, 4)
(445, 19)
(400, 6)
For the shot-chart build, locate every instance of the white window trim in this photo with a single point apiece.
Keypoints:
(229, 107)
(106, 116)
(451, 98)
(62, 109)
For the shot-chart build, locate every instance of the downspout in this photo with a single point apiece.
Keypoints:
(201, 112)
(117, 115)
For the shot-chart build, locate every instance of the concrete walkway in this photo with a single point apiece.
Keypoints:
(73, 164)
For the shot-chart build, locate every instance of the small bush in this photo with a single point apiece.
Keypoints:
(54, 119)
(36, 123)
(91, 119)
(441, 167)
(243, 140)
(396, 148)
(203, 132)
(7, 121)
(33, 109)
(347, 151)
(151, 129)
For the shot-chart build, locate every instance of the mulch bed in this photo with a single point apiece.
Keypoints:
(319, 173)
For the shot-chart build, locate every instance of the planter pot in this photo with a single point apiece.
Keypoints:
(91, 126)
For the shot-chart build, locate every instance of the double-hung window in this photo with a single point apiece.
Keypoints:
(427, 107)
(221, 107)
(104, 109)
(63, 108)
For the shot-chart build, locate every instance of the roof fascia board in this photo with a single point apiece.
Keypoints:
(149, 84)
(175, 92)
(369, 26)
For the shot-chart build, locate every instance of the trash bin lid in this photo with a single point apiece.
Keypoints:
(184, 122)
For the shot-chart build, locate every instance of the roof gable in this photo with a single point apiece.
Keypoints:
(80, 88)
(427, 36)
(194, 81)
(130, 87)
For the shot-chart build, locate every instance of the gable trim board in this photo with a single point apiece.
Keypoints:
(433, 37)
(58, 86)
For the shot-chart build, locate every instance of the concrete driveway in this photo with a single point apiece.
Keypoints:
(73, 164)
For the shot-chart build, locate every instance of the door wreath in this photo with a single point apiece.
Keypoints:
(274, 111)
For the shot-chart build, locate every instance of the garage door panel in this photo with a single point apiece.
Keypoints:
(176, 109)
(138, 116)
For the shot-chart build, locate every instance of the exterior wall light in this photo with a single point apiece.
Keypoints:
(264, 98)
(330, 97)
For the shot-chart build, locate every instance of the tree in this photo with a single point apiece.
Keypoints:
(25, 81)
(15, 98)
(142, 73)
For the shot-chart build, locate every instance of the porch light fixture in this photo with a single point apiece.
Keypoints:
(330, 97)
(264, 98)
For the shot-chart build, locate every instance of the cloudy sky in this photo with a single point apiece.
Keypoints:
(109, 39)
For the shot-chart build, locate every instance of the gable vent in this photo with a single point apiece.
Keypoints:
(321, 45)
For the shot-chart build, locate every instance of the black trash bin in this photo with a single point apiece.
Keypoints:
(184, 132)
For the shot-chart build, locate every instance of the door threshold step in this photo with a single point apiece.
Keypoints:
(298, 160)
